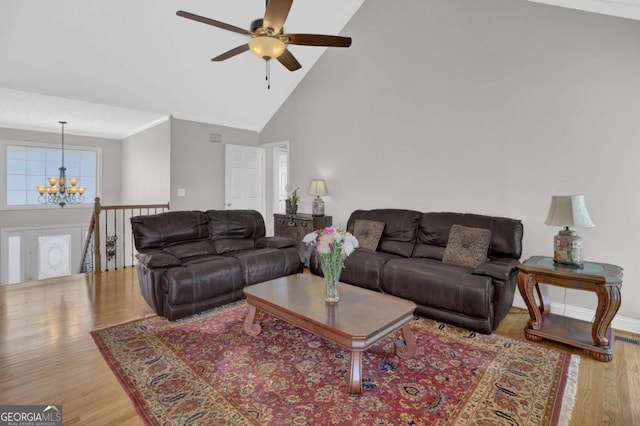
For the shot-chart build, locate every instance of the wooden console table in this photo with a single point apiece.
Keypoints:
(603, 279)
(296, 226)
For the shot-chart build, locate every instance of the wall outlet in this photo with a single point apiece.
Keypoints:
(182, 192)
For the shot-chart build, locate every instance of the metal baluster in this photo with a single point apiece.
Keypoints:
(115, 234)
(131, 245)
(124, 243)
(106, 239)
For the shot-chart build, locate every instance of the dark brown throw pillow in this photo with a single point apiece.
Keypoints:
(467, 246)
(368, 233)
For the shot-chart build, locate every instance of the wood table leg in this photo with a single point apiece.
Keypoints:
(526, 284)
(355, 375)
(545, 306)
(407, 348)
(250, 327)
(609, 300)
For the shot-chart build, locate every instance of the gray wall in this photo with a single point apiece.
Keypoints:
(487, 107)
(111, 179)
(197, 164)
(146, 166)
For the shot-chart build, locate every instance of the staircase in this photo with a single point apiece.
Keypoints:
(109, 242)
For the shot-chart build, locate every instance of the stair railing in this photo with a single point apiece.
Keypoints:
(109, 240)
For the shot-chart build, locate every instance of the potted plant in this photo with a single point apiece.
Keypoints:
(292, 200)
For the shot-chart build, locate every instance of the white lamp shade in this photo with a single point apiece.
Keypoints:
(318, 188)
(569, 210)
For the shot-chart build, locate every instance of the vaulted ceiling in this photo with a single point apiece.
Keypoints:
(133, 63)
(112, 68)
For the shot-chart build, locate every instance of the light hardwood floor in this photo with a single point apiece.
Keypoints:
(48, 357)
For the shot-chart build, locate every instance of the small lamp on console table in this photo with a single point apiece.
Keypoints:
(566, 211)
(318, 188)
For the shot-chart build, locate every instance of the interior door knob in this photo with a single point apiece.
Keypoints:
(228, 204)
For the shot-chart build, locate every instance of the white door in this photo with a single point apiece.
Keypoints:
(244, 178)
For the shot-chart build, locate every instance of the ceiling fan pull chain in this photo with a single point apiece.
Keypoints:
(268, 76)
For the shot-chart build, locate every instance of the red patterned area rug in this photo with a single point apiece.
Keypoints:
(205, 370)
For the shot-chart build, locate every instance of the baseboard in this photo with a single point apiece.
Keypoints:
(619, 322)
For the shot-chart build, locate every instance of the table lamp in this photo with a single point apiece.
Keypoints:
(318, 188)
(566, 211)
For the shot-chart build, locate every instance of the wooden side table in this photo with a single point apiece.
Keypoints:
(603, 279)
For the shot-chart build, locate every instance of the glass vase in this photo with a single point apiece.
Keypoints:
(331, 278)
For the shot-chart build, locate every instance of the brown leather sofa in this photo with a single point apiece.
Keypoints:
(190, 261)
(408, 263)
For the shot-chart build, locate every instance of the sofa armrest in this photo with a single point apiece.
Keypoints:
(157, 259)
(275, 242)
(500, 269)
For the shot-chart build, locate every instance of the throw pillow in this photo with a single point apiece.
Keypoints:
(368, 233)
(467, 246)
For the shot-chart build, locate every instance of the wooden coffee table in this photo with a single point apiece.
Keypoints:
(360, 319)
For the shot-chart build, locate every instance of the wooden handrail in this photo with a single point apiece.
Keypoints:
(135, 206)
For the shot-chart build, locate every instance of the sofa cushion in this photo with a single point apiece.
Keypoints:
(275, 242)
(428, 251)
(235, 224)
(267, 264)
(229, 245)
(191, 249)
(435, 284)
(400, 230)
(162, 229)
(157, 259)
(506, 234)
(467, 246)
(368, 233)
(363, 268)
(190, 284)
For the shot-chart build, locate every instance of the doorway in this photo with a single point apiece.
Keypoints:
(280, 178)
(278, 171)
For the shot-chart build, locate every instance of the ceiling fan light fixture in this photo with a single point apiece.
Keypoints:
(267, 47)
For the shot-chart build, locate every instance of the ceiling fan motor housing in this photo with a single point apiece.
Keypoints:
(256, 24)
(257, 28)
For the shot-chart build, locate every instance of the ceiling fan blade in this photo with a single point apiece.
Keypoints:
(276, 13)
(212, 22)
(289, 61)
(319, 40)
(231, 53)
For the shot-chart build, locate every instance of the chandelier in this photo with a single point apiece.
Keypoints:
(58, 192)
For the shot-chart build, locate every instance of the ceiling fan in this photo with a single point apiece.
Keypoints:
(267, 37)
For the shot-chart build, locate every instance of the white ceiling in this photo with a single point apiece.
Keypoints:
(113, 68)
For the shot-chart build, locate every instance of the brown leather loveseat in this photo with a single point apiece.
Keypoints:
(408, 262)
(190, 261)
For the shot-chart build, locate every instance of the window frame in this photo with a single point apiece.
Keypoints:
(3, 176)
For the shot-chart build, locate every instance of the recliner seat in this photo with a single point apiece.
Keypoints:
(408, 263)
(191, 261)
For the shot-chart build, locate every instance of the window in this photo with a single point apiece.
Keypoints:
(29, 165)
